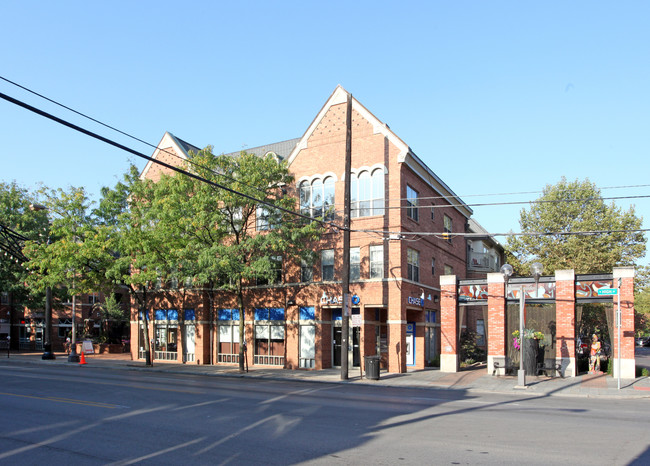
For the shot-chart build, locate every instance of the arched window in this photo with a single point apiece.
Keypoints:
(367, 193)
(317, 198)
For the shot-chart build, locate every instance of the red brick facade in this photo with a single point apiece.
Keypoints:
(394, 320)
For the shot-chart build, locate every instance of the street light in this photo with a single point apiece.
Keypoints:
(507, 271)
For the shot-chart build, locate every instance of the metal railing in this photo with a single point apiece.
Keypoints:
(228, 358)
(268, 360)
(306, 363)
(188, 357)
(165, 355)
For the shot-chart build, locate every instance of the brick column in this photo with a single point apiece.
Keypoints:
(496, 323)
(565, 316)
(396, 331)
(628, 363)
(449, 358)
(292, 337)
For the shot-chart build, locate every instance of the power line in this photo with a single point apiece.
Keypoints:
(401, 234)
(164, 164)
(195, 164)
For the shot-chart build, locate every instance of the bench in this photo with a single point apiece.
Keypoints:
(551, 368)
(508, 368)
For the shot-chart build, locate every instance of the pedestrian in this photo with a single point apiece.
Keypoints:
(594, 359)
(67, 345)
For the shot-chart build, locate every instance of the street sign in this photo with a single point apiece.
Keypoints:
(608, 292)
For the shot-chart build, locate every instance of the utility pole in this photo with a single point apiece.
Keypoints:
(345, 317)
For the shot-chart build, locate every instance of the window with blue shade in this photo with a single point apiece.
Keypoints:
(307, 313)
(269, 313)
(228, 314)
(160, 314)
(172, 314)
(337, 314)
(189, 314)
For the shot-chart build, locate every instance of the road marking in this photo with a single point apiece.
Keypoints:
(66, 400)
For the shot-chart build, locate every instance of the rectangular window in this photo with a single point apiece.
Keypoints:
(4, 297)
(412, 203)
(261, 218)
(327, 265)
(433, 212)
(355, 264)
(449, 270)
(413, 264)
(433, 266)
(306, 272)
(447, 229)
(276, 272)
(377, 261)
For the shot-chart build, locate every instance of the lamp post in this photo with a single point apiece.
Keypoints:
(507, 271)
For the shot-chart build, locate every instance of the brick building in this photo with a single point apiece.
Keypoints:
(395, 278)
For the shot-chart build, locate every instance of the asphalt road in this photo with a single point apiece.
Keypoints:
(79, 415)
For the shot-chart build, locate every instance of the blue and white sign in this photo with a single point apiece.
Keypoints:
(415, 301)
(607, 292)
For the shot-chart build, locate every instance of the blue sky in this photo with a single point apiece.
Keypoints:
(496, 97)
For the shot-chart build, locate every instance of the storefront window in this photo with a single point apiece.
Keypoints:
(228, 348)
(269, 336)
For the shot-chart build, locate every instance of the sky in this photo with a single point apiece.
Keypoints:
(495, 97)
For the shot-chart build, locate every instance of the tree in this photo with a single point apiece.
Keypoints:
(559, 217)
(642, 300)
(235, 239)
(16, 215)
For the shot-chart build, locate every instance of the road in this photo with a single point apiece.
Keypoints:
(80, 415)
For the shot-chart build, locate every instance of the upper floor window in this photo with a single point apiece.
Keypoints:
(449, 270)
(327, 264)
(263, 220)
(317, 198)
(413, 264)
(276, 272)
(433, 266)
(447, 228)
(355, 263)
(412, 203)
(306, 271)
(367, 193)
(377, 261)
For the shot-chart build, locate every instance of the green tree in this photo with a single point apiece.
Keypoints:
(565, 209)
(16, 215)
(642, 300)
(237, 241)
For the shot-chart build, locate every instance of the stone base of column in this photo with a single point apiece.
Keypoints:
(449, 363)
(568, 366)
(628, 368)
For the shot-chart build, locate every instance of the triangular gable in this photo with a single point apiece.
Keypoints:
(180, 147)
(405, 154)
(340, 96)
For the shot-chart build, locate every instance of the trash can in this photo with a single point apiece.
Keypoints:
(372, 367)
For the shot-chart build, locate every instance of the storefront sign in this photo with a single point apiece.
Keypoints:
(338, 300)
(415, 301)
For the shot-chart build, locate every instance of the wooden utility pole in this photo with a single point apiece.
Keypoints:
(345, 318)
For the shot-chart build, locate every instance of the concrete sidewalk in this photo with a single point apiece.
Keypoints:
(474, 380)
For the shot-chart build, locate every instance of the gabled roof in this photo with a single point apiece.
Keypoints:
(281, 149)
(180, 147)
(405, 155)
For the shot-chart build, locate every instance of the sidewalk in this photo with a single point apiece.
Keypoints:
(476, 380)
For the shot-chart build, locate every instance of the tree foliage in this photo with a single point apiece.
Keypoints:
(570, 207)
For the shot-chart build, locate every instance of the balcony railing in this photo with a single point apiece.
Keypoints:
(482, 261)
